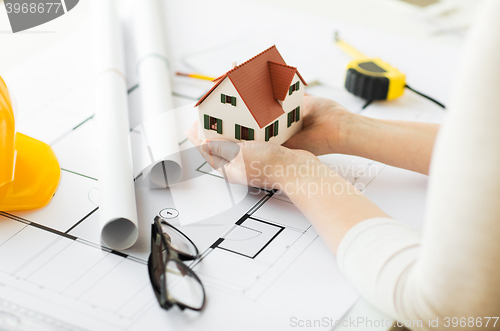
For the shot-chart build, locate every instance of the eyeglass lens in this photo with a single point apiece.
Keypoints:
(178, 241)
(183, 286)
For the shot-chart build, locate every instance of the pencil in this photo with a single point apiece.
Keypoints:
(197, 76)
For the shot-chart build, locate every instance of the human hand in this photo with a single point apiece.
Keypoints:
(252, 163)
(324, 127)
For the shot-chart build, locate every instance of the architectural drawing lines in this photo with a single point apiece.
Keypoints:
(46, 262)
(15, 218)
(85, 121)
(374, 177)
(83, 219)
(133, 88)
(283, 271)
(71, 237)
(146, 286)
(76, 173)
(32, 316)
(24, 227)
(261, 246)
(99, 279)
(284, 225)
(281, 198)
(62, 136)
(259, 204)
(107, 321)
(54, 231)
(207, 173)
(256, 233)
(83, 274)
(36, 256)
(40, 226)
(267, 244)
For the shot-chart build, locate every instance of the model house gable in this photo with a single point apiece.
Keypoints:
(224, 109)
(282, 77)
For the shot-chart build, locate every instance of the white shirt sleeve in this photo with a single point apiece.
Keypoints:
(453, 268)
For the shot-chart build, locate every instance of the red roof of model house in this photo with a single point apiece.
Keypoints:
(261, 82)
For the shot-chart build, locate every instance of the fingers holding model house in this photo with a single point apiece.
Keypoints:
(324, 130)
(252, 163)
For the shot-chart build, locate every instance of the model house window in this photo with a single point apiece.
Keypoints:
(228, 99)
(294, 87)
(293, 116)
(243, 133)
(212, 123)
(272, 130)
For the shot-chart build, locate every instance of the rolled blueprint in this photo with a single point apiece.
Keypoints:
(154, 79)
(117, 207)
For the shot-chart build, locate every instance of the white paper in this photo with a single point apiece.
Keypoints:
(156, 150)
(118, 213)
(159, 125)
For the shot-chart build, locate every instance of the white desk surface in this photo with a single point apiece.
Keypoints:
(397, 18)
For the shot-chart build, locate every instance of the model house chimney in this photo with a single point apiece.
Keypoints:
(234, 64)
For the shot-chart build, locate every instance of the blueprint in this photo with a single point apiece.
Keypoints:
(261, 262)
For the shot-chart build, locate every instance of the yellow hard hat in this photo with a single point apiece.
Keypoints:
(29, 171)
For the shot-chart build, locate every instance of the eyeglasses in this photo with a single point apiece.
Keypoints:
(174, 283)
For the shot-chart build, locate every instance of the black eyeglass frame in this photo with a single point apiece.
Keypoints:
(157, 247)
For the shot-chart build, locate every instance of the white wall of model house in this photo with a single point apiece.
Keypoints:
(290, 103)
(229, 114)
(239, 114)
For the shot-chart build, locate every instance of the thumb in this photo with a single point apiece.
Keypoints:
(222, 148)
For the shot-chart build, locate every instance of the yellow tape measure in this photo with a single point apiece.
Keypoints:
(371, 78)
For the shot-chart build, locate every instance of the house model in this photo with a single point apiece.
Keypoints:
(260, 100)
